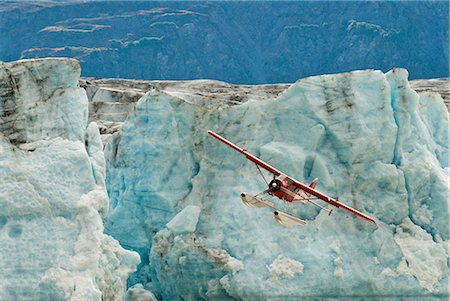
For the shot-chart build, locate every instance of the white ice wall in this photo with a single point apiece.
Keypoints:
(370, 139)
(52, 190)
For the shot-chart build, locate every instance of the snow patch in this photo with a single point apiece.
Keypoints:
(284, 267)
(138, 293)
(424, 258)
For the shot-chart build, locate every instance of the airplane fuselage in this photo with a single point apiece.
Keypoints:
(282, 190)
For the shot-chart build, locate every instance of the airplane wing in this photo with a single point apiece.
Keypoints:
(249, 156)
(330, 200)
(296, 183)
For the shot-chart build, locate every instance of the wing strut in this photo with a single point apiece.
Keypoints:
(262, 175)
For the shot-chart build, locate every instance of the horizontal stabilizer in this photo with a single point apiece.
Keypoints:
(287, 220)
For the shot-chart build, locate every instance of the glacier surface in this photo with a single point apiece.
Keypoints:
(174, 191)
(371, 140)
(52, 190)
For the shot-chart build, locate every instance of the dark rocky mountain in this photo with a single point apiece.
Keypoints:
(238, 42)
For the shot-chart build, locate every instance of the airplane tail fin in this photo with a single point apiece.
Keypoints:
(314, 183)
(303, 196)
(313, 186)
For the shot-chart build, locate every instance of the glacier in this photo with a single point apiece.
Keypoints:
(83, 169)
(52, 190)
(372, 141)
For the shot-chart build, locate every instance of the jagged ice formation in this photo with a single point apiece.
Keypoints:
(371, 140)
(174, 192)
(52, 190)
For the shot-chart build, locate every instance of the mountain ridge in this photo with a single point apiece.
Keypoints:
(237, 42)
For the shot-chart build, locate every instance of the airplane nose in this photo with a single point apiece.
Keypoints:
(242, 195)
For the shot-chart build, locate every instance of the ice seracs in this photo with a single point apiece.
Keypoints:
(370, 139)
(52, 190)
(174, 194)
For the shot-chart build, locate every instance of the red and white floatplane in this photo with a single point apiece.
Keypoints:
(288, 190)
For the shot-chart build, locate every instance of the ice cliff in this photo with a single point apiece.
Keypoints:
(371, 140)
(173, 192)
(52, 190)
